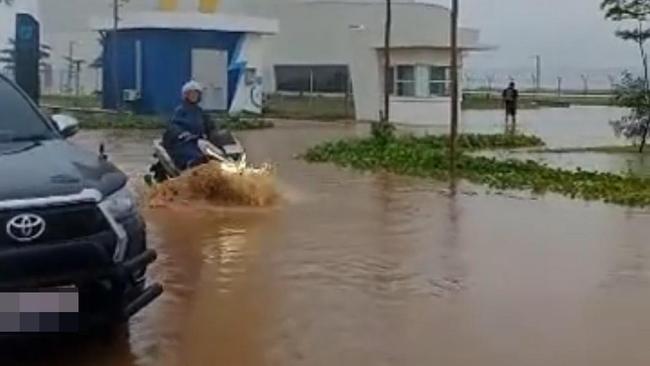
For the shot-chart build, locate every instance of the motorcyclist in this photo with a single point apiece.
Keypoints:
(188, 124)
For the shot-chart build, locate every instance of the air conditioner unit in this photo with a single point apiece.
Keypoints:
(130, 95)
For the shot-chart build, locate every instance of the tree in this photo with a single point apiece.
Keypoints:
(633, 92)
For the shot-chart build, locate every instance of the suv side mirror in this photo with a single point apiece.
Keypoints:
(67, 125)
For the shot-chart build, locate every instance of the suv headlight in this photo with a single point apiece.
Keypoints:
(120, 204)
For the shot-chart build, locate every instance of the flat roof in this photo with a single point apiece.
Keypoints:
(190, 21)
(473, 47)
(430, 3)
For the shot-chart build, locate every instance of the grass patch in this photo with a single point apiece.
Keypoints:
(485, 101)
(127, 121)
(314, 108)
(98, 121)
(420, 157)
(82, 101)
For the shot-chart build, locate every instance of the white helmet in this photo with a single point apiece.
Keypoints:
(191, 86)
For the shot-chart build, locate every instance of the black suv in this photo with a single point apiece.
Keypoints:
(68, 222)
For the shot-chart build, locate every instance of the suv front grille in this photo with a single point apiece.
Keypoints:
(63, 223)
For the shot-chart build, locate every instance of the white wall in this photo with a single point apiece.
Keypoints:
(420, 111)
(349, 32)
(248, 96)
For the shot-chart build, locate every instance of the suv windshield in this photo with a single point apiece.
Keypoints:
(18, 120)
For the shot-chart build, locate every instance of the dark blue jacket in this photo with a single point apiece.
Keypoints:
(191, 119)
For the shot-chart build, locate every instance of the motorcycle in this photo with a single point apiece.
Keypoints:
(222, 147)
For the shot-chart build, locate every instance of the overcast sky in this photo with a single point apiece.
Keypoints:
(567, 33)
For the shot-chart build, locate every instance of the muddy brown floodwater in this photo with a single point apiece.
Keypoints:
(359, 269)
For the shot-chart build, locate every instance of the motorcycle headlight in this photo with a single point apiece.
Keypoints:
(120, 204)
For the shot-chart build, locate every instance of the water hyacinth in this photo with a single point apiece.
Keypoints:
(428, 157)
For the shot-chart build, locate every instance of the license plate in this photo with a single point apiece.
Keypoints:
(47, 311)
(232, 149)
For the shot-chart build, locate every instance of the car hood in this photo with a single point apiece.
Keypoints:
(53, 168)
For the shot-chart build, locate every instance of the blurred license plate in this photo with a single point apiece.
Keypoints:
(232, 149)
(52, 310)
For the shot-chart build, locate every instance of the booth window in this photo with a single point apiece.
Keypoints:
(312, 78)
(438, 81)
(405, 80)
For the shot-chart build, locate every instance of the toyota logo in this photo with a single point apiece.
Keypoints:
(26, 227)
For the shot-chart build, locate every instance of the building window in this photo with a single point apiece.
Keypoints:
(405, 80)
(438, 81)
(312, 78)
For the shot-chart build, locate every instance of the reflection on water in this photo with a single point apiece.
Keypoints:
(373, 269)
(623, 163)
(559, 127)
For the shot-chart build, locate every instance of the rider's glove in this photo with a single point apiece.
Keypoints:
(185, 136)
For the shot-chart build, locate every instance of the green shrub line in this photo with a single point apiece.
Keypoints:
(428, 157)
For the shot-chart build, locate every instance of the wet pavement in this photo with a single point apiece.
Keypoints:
(373, 269)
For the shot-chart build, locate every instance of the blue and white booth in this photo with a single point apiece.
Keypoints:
(156, 53)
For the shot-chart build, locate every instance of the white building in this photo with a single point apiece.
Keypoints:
(322, 43)
(323, 46)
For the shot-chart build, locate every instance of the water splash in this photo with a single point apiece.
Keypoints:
(210, 183)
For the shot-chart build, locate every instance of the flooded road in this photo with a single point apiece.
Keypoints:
(363, 269)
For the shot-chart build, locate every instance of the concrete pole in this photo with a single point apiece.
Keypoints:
(77, 84)
(115, 68)
(388, 79)
(538, 72)
(454, 80)
(70, 66)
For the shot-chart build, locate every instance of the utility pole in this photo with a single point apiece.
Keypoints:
(612, 82)
(388, 77)
(74, 71)
(70, 59)
(585, 84)
(116, 86)
(538, 70)
(454, 81)
(77, 87)
(490, 82)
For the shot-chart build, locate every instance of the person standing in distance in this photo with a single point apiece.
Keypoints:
(510, 99)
